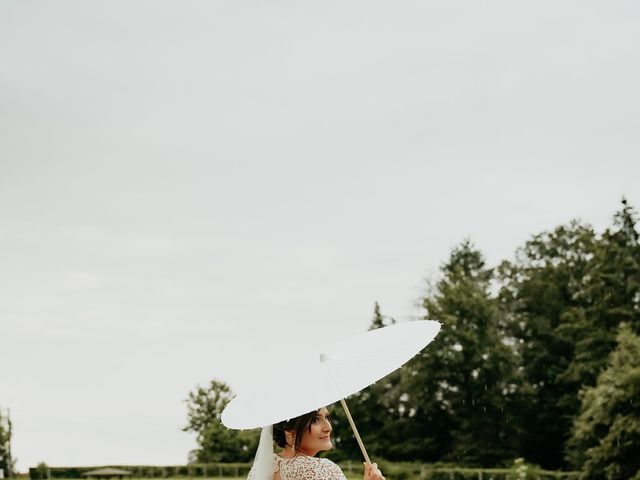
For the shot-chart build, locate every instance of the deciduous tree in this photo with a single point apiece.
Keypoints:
(606, 435)
(7, 462)
(216, 443)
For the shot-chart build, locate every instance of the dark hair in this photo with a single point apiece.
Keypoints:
(296, 425)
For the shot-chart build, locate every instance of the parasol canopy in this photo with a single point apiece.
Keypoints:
(323, 376)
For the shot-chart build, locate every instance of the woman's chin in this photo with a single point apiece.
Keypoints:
(324, 445)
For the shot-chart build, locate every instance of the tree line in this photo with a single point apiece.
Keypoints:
(538, 358)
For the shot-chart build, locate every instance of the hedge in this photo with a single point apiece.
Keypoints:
(149, 471)
(392, 470)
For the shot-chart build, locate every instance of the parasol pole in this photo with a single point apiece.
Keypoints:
(355, 431)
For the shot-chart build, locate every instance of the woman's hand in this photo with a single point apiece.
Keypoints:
(371, 472)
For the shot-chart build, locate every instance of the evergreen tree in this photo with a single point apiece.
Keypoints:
(611, 294)
(459, 393)
(380, 320)
(606, 436)
(541, 303)
(373, 410)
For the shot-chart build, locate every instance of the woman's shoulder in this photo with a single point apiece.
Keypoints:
(275, 467)
(330, 466)
(314, 468)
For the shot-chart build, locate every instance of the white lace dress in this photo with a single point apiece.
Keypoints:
(304, 467)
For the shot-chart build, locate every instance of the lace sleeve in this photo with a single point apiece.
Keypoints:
(329, 471)
(276, 467)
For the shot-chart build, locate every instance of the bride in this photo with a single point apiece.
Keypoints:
(301, 438)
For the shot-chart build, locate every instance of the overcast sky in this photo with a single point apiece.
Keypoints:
(184, 184)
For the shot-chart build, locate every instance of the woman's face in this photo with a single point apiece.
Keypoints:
(319, 437)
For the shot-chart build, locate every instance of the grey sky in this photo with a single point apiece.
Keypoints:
(182, 183)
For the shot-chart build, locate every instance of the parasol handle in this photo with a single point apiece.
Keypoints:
(355, 431)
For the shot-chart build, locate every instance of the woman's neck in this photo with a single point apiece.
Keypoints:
(289, 452)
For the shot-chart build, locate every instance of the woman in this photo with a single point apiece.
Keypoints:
(301, 438)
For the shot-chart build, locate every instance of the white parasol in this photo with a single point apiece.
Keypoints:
(329, 375)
